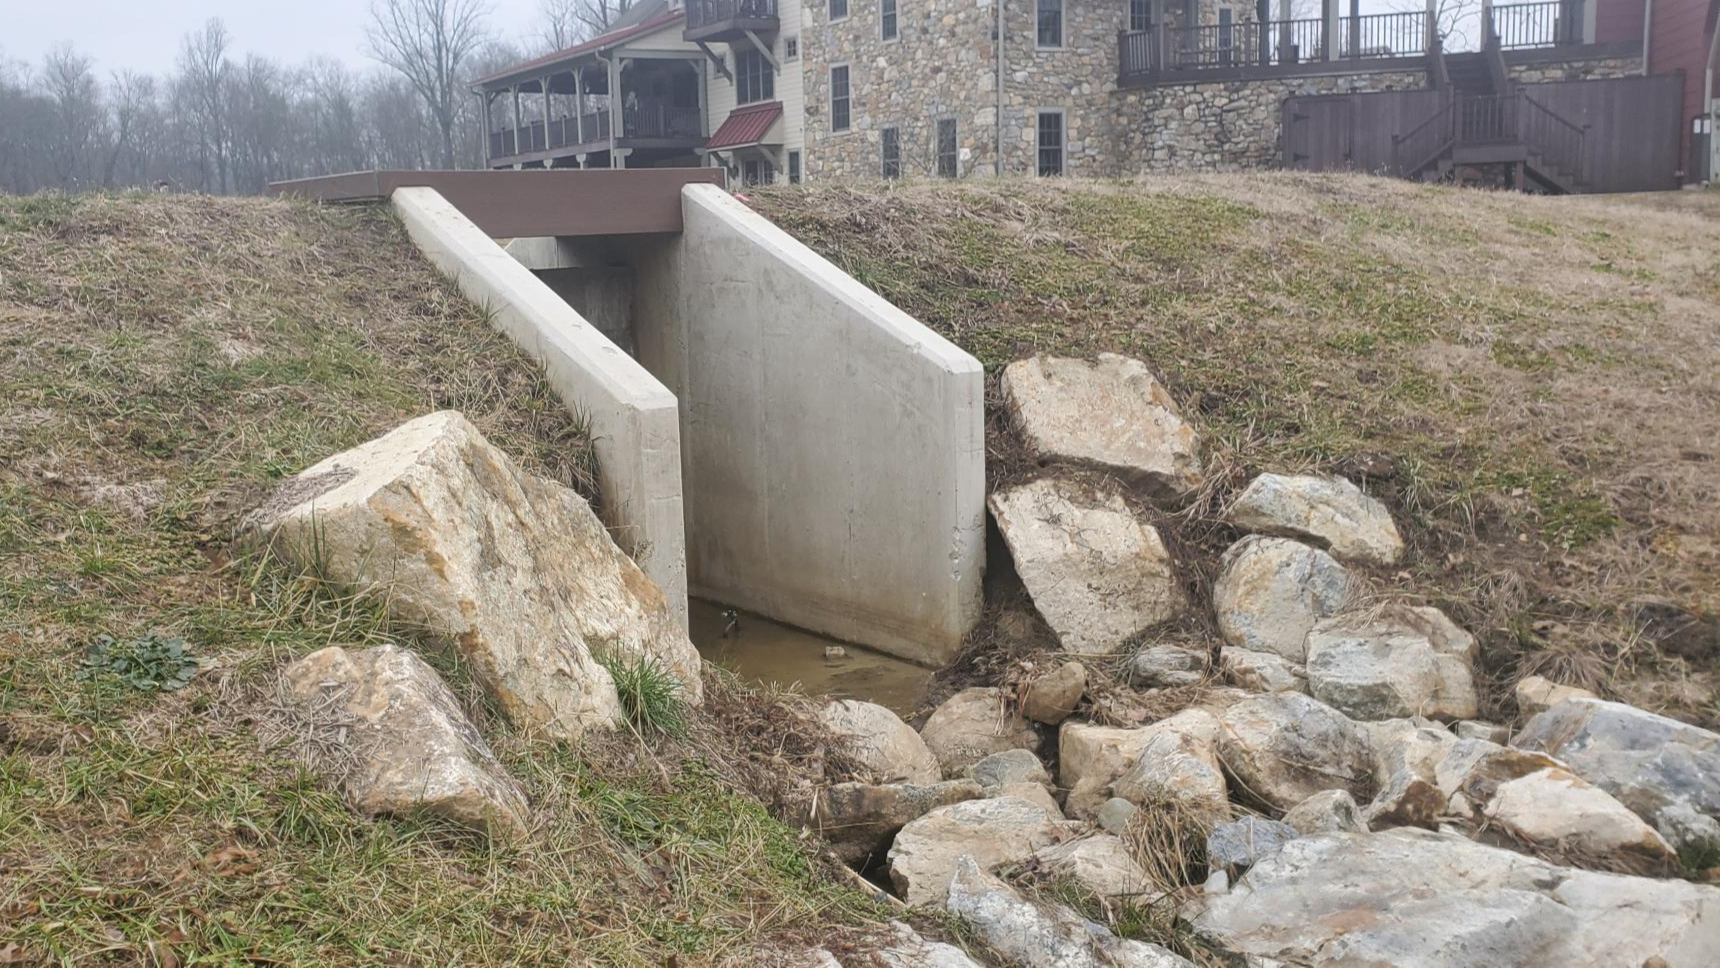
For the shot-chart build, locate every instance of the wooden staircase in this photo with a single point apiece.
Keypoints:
(1489, 124)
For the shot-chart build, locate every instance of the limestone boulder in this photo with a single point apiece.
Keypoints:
(1235, 846)
(1534, 694)
(1398, 662)
(1272, 591)
(1325, 811)
(992, 831)
(1410, 757)
(1409, 897)
(1092, 757)
(1324, 510)
(1166, 666)
(1283, 747)
(1051, 697)
(410, 748)
(1111, 414)
(1027, 933)
(1099, 862)
(1495, 733)
(906, 948)
(1010, 767)
(513, 570)
(972, 724)
(1178, 765)
(1097, 573)
(1555, 810)
(859, 820)
(1114, 816)
(1262, 672)
(887, 747)
(1662, 769)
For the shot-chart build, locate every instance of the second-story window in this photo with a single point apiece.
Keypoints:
(1140, 18)
(890, 154)
(1049, 23)
(887, 19)
(837, 10)
(753, 77)
(792, 49)
(841, 98)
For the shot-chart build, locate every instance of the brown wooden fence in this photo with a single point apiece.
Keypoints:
(1623, 134)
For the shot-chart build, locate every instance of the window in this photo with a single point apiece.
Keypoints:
(795, 168)
(945, 147)
(890, 154)
(1049, 23)
(1050, 143)
(791, 49)
(757, 171)
(841, 98)
(753, 77)
(837, 10)
(1140, 18)
(887, 19)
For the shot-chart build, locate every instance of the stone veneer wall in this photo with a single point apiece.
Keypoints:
(1221, 125)
(1581, 69)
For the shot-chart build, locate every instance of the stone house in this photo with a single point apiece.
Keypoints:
(782, 90)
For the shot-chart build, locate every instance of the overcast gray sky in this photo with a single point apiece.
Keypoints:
(146, 35)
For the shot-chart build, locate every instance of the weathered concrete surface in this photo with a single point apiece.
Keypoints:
(512, 569)
(1112, 414)
(1096, 573)
(837, 442)
(633, 416)
(411, 747)
(1415, 898)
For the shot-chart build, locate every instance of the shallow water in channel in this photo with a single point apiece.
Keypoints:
(764, 651)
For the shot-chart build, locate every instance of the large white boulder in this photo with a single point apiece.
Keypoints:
(1097, 573)
(1272, 591)
(1099, 862)
(1092, 756)
(993, 831)
(972, 724)
(859, 820)
(890, 749)
(1283, 747)
(1111, 414)
(1662, 769)
(1322, 509)
(1051, 697)
(1396, 662)
(409, 746)
(513, 570)
(1178, 765)
(1557, 811)
(1028, 933)
(1409, 897)
(1535, 694)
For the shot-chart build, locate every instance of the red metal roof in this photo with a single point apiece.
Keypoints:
(746, 125)
(602, 41)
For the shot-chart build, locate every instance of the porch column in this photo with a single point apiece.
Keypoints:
(580, 110)
(1263, 41)
(1331, 30)
(515, 90)
(619, 156)
(485, 110)
(544, 82)
(1285, 41)
(1158, 33)
(615, 66)
(1486, 23)
(1429, 25)
(1357, 43)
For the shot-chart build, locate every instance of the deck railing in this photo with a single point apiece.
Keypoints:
(1547, 23)
(1558, 140)
(1494, 119)
(656, 118)
(1404, 34)
(1276, 43)
(704, 13)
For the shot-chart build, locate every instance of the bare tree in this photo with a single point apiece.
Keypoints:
(203, 79)
(561, 24)
(132, 110)
(70, 85)
(427, 41)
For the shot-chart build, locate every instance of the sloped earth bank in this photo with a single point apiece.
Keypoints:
(167, 362)
(1529, 383)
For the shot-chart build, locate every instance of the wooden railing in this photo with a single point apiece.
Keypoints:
(1558, 140)
(1516, 118)
(1403, 34)
(1428, 140)
(656, 118)
(1487, 119)
(1548, 23)
(705, 13)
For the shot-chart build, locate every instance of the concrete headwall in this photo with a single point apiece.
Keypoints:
(832, 445)
(633, 417)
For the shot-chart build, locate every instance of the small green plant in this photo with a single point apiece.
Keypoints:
(1699, 857)
(651, 695)
(151, 663)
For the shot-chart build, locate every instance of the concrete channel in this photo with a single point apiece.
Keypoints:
(772, 434)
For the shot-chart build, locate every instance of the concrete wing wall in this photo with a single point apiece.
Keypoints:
(832, 444)
(633, 416)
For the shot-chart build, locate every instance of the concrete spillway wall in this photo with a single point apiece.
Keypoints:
(832, 446)
(633, 417)
(778, 436)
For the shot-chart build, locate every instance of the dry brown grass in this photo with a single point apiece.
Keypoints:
(1530, 383)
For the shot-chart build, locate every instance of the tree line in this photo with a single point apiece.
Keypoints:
(225, 123)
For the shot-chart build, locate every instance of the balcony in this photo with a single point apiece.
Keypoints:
(724, 20)
(646, 123)
(1275, 48)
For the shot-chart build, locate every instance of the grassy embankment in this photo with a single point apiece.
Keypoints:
(166, 360)
(1529, 383)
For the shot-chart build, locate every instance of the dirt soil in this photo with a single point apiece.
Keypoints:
(1530, 383)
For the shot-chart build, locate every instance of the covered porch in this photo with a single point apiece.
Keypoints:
(617, 111)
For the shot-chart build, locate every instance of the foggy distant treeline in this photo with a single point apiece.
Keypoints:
(228, 122)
